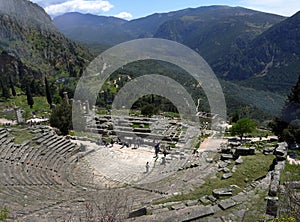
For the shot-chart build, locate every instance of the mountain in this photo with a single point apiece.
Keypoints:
(271, 61)
(89, 28)
(192, 27)
(31, 47)
(215, 31)
(222, 35)
(26, 13)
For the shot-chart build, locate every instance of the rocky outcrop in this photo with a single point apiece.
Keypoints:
(28, 35)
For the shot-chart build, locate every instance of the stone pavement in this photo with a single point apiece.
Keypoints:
(124, 165)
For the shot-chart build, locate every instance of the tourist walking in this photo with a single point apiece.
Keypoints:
(156, 148)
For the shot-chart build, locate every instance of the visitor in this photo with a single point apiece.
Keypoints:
(147, 167)
(165, 153)
(99, 143)
(156, 148)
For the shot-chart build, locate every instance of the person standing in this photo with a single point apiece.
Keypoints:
(147, 167)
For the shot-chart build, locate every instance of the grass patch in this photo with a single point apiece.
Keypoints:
(145, 126)
(260, 145)
(255, 133)
(21, 135)
(290, 173)
(251, 169)
(135, 112)
(171, 115)
(102, 112)
(172, 145)
(41, 107)
(260, 132)
(184, 129)
(197, 145)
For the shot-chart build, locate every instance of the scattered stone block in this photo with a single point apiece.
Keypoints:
(220, 169)
(281, 152)
(268, 150)
(138, 213)
(222, 164)
(239, 160)
(191, 203)
(227, 191)
(187, 214)
(178, 206)
(154, 207)
(196, 212)
(228, 203)
(234, 144)
(204, 200)
(226, 149)
(244, 151)
(170, 203)
(226, 175)
(212, 198)
(226, 170)
(233, 169)
(226, 157)
(273, 139)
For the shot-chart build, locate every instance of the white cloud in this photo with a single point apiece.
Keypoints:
(124, 15)
(281, 7)
(45, 3)
(84, 6)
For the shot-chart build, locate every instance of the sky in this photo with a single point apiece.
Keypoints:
(132, 9)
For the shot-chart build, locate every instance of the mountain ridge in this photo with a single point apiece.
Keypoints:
(145, 26)
(222, 35)
(270, 62)
(31, 47)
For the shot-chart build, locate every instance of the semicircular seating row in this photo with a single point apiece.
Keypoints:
(37, 169)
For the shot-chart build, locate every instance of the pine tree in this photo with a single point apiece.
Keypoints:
(12, 87)
(33, 87)
(5, 91)
(30, 100)
(48, 93)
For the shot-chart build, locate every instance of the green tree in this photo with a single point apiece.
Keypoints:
(287, 126)
(48, 93)
(243, 126)
(30, 100)
(148, 110)
(61, 118)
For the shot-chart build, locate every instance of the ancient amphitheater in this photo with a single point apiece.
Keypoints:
(54, 178)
